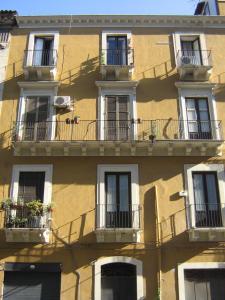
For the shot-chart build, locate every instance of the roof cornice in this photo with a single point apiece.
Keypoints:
(121, 21)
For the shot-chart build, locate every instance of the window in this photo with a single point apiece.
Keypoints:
(117, 50)
(118, 200)
(201, 281)
(118, 281)
(32, 182)
(199, 125)
(118, 277)
(117, 120)
(36, 118)
(207, 202)
(43, 51)
(205, 185)
(118, 197)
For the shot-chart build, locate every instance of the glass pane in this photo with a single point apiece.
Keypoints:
(199, 192)
(111, 42)
(204, 116)
(202, 103)
(192, 126)
(111, 104)
(191, 114)
(124, 192)
(212, 191)
(190, 103)
(111, 193)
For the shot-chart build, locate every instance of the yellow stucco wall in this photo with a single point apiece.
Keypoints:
(75, 178)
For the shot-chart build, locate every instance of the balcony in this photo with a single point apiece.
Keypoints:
(194, 65)
(162, 137)
(206, 222)
(118, 224)
(117, 64)
(23, 226)
(40, 64)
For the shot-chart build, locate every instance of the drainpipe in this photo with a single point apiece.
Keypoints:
(159, 250)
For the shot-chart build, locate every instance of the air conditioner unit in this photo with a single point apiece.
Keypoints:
(62, 101)
(3, 46)
(186, 60)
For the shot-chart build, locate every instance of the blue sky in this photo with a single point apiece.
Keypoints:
(45, 7)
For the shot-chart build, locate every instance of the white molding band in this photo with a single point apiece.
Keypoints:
(188, 170)
(118, 259)
(191, 266)
(48, 169)
(101, 170)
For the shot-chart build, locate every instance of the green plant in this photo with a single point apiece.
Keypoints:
(35, 207)
(6, 203)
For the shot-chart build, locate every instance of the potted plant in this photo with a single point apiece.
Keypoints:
(35, 212)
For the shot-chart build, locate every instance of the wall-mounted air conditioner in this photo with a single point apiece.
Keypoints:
(62, 101)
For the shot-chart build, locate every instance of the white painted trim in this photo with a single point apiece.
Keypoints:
(101, 170)
(106, 33)
(31, 41)
(201, 92)
(188, 170)
(177, 44)
(130, 92)
(26, 92)
(48, 169)
(118, 259)
(190, 266)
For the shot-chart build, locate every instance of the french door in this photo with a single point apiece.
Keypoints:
(117, 122)
(118, 200)
(36, 125)
(191, 52)
(43, 51)
(207, 202)
(117, 50)
(198, 118)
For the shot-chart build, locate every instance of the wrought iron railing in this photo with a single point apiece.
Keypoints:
(117, 57)
(194, 57)
(118, 216)
(206, 215)
(20, 216)
(40, 58)
(118, 130)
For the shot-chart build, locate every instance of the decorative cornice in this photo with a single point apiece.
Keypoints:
(195, 85)
(38, 84)
(111, 21)
(117, 84)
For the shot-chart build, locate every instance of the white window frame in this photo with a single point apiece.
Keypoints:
(177, 36)
(198, 92)
(103, 92)
(101, 170)
(126, 33)
(31, 42)
(194, 266)
(118, 259)
(48, 169)
(35, 92)
(188, 170)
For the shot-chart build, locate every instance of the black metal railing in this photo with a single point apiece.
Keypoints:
(117, 57)
(40, 58)
(20, 216)
(194, 57)
(118, 216)
(206, 214)
(121, 130)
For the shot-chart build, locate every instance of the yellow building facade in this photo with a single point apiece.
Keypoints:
(112, 158)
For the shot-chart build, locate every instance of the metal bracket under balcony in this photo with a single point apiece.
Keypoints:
(40, 64)
(118, 138)
(194, 64)
(117, 64)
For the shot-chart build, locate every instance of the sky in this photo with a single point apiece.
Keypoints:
(76, 7)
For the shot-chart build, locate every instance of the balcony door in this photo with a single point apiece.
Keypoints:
(207, 208)
(118, 200)
(118, 282)
(117, 50)
(36, 118)
(191, 51)
(198, 118)
(117, 122)
(43, 51)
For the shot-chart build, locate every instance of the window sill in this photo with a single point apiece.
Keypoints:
(118, 235)
(207, 234)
